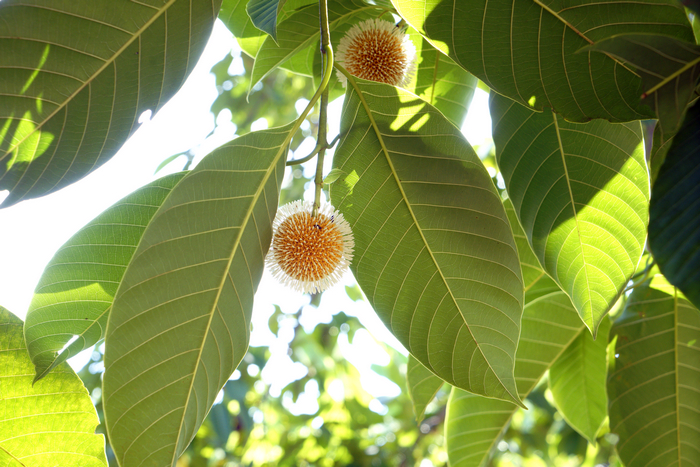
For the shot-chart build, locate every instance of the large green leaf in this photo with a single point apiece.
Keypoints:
(75, 293)
(581, 194)
(441, 82)
(527, 49)
(423, 385)
(577, 380)
(76, 75)
(669, 69)
(674, 226)
(49, 423)
(434, 252)
(299, 35)
(653, 385)
(180, 322)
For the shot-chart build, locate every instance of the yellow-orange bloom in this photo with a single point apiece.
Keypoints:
(377, 50)
(309, 254)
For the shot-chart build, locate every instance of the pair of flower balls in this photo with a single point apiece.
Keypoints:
(311, 253)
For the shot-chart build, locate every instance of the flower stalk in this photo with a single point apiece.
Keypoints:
(327, 62)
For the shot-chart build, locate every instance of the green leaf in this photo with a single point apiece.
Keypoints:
(333, 176)
(48, 423)
(674, 226)
(577, 380)
(167, 161)
(528, 49)
(76, 77)
(434, 252)
(581, 194)
(180, 323)
(441, 82)
(473, 424)
(669, 69)
(264, 13)
(530, 265)
(75, 292)
(653, 383)
(299, 34)
(422, 384)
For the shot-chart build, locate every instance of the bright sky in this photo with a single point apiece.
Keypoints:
(34, 230)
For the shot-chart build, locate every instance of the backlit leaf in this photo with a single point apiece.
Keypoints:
(48, 423)
(528, 50)
(75, 292)
(180, 323)
(423, 385)
(577, 380)
(434, 252)
(75, 76)
(441, 82)
(581, 194)
(653, 385)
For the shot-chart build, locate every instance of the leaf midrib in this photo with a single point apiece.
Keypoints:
(13, 457)
(420, 230)
(89, 81)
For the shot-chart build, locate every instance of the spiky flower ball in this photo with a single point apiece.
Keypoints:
(377, 50)
(309, 254)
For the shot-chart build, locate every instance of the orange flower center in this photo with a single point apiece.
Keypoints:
(377, 56)
(308, 248)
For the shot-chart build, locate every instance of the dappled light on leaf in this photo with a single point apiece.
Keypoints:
(434, 251)
(581, 193)
(51, 422)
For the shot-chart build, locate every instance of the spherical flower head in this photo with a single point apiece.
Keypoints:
(309, 254)
(377, 50)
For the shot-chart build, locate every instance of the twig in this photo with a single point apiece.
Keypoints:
(327, 61)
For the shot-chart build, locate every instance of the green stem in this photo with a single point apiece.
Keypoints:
(316, 150)
(327, 73)
(645, 276)
(322, 130)
(327, 61)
